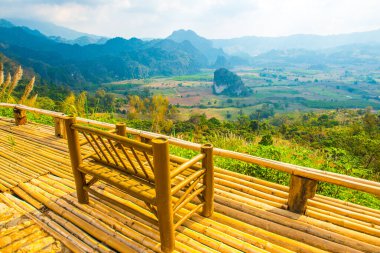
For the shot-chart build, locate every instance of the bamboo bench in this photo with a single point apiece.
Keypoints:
(145, 171)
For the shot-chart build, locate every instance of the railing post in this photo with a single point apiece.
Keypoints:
(60, 130)
(120, 129)
(20, 116)
(163, 193)
(76, 159)
(208, 180)
(301, 189)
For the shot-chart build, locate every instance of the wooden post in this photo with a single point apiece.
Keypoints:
(163, 193)
(76, 160)
(20, 116)
(60, 130)
(301, 189)
(208, 180)
(120, 129)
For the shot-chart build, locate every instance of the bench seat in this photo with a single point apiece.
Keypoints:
(136, 187)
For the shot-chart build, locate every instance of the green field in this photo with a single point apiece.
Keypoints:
(283, 89)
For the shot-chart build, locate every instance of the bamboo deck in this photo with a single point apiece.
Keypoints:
(250, 214)
(19, 233)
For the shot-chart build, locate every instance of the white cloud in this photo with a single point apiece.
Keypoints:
(210, 18)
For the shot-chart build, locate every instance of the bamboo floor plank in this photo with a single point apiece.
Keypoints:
(18, 233)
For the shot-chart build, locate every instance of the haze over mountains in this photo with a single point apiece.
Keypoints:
(65, 56)
(254, 45)
(60, 33)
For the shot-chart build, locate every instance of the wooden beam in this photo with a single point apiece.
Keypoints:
(301, 189)
(60, 130)
(20, 116)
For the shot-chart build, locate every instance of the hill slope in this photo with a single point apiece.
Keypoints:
(117, 59)
(202, 44)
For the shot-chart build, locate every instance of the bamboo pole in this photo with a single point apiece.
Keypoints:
(208, 180)
(76, 160)
(163, 193)
(19, 192)
(31, 109)
(257, 185)
(240, 189)
(120, 129)
(343, 223)
(59, 128)
(363, 217)
(220, 188)
(348, 205)
(123, 140)
(186, 165)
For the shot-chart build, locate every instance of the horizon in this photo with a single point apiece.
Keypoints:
(210, 19)
(11, 20)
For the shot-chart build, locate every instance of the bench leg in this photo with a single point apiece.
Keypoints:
(163, 194)
(208, 180)
(76, 160)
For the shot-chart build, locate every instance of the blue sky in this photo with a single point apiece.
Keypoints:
(209, 18)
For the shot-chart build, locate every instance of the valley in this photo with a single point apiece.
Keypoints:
(280, 90)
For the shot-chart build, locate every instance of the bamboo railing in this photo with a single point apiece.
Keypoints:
(303, 180)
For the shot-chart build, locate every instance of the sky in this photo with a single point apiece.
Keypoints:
(210, 18)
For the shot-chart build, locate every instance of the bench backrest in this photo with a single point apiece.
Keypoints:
(118, 152)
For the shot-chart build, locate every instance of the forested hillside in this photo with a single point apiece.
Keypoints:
(117, 59)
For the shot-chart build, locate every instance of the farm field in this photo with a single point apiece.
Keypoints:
(281, 89)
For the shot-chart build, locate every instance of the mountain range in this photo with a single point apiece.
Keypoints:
(117, 59)
(64, 56)
(254, 45)
(59, 33)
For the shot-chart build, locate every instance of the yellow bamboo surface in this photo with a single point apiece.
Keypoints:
(250, 214)
(18, 233)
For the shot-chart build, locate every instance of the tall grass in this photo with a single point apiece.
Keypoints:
(28, 90)
(1, 73)
(16, 78)
(7, 87)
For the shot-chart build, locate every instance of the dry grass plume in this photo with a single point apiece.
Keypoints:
(27, 90)
(16, 78)
(1, 73)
